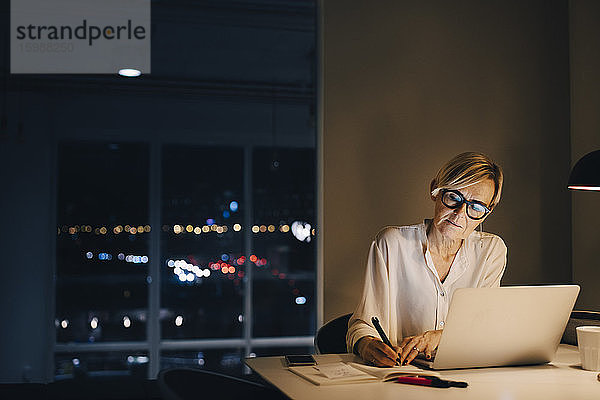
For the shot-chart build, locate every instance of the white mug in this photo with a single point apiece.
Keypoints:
(588, 341)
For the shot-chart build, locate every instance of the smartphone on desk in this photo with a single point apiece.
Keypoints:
(299, 360)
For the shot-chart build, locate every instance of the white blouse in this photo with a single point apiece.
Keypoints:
(402, 287)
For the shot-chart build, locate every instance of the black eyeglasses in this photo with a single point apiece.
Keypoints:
(454, 199)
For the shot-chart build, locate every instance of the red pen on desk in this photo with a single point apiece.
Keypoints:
(433, 381)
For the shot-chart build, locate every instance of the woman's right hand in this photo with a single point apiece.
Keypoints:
(376, 352)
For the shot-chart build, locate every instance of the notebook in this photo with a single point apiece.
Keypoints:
(489, 327)
(343, 373)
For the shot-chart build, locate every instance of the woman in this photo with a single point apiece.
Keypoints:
(412, 271)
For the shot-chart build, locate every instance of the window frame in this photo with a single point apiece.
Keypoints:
(154, 344)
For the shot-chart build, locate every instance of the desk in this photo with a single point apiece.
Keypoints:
(563, 379)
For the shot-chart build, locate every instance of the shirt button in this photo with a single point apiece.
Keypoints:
(441, 324)
(441, 293)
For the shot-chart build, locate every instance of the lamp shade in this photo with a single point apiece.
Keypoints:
(585, 175)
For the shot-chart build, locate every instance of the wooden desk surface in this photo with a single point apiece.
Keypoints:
(563, 379)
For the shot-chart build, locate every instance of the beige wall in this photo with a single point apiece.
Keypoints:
(585, 137)
(409, 84)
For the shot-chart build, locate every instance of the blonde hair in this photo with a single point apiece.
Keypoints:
(467, 169)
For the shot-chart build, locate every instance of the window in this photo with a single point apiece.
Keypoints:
(102, 242)
(202, 240)
(186, 199)
(284, 215)
(229, 287)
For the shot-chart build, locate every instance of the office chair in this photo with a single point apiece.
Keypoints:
(193, 383)
(579, 318)
(331, 337)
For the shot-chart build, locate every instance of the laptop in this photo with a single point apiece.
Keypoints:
(492, 327)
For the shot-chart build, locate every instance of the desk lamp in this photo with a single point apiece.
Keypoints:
(585, 175)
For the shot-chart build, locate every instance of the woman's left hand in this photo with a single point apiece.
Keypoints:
(413, 345)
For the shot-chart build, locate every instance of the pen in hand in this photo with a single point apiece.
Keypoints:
(382, 334)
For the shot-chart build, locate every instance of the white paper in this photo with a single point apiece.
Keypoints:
(338, 370)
